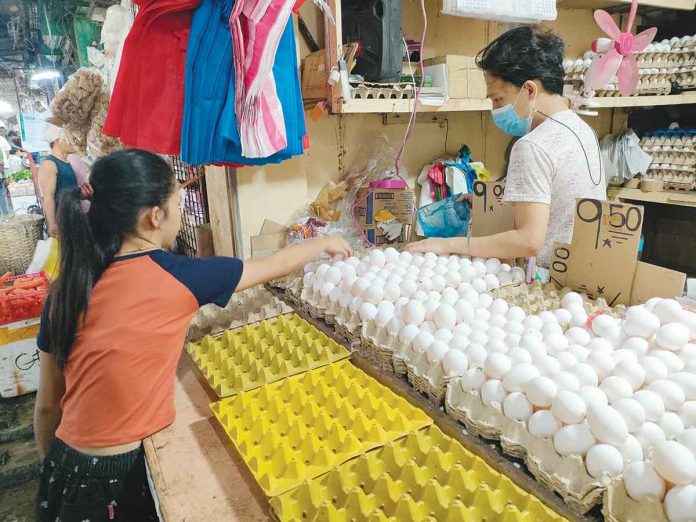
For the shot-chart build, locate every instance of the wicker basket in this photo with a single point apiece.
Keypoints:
(18, 238)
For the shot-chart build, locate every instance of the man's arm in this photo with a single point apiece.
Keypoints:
(47, 410)
(526, 240)
(48, 173)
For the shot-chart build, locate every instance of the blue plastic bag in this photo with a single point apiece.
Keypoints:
(445, 218)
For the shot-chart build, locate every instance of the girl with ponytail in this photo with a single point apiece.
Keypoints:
(112, 331)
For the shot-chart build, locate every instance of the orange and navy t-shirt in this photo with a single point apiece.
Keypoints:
(120, 373)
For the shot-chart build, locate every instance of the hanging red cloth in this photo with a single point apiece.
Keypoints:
(148, 100)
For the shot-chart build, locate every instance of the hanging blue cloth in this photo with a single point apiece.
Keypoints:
(209, 132)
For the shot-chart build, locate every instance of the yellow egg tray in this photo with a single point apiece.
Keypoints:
(423, 476)
(254, 355)
(303, 426)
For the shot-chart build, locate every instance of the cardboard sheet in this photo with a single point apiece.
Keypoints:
(489, 214)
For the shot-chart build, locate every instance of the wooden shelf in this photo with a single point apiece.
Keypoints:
(459, 105)
(673, 197)
(686, 5)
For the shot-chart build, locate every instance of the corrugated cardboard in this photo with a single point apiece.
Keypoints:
(656, 281)
(272, 238)
(315, 76)
(399, 202)
(465, 79)
(488, 213)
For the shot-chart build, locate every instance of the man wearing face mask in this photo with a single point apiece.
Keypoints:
(555, 161)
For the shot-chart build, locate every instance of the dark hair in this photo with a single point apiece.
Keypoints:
(12, 134)
(124, 183)
(526, 53)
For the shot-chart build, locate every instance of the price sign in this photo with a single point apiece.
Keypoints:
(604, 249)
(489, 214)
(560, 260)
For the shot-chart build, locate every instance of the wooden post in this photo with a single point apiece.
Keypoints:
(222, 203)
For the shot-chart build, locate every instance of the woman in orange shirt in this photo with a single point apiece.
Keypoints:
(112, 332)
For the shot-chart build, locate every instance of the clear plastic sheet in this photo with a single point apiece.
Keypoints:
(623, 158)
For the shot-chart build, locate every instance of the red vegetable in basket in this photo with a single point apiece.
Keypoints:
(23, 297)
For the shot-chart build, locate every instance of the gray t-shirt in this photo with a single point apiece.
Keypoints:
(548, 166)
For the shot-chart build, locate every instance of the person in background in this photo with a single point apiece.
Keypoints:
(5, 148)
(14, 138)
(112, 333)
(15, 160)
(56, 175)
(555, 161)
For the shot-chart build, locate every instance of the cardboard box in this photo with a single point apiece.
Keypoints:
(315, 76)
(273, 237)
(400, 203)
(465, 80)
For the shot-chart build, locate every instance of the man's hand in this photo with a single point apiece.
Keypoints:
(87, 191)
(435, 245)
(53, 230)
(336, 245)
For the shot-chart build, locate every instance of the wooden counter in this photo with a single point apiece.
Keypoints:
(197, 473)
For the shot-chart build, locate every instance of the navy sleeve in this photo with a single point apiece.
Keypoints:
(42, 338)
(211, 280)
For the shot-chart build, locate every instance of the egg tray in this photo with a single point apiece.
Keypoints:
(434, 392)
(423, 476)
(619, 507)
(375, 345)
(251, 306)
(303, 426)
(566, 475)
(252, 356)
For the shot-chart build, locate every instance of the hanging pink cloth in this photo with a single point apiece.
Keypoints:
(256, 27)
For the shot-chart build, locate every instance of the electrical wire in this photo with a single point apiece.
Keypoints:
(587, 159)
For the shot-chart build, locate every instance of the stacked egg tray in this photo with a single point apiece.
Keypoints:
(255, 355)
(303, 426)
(566, 475)
(250, 306)
(423, 476)
(345, 322)
(619, 507)
(674, 157)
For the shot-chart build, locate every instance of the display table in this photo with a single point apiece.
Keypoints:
(197, 473)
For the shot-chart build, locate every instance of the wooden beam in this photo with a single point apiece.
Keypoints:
(222, 208)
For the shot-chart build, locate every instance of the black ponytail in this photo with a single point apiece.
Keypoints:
(124, 184)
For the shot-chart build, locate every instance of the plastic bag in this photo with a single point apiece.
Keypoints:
(445, 218)
(626, 157)
(45, 258)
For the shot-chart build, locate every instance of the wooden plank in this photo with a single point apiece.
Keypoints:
(645, 101)
(197, 473)
(686, 5)
(678, 198)
(221, 206)
(333, 37)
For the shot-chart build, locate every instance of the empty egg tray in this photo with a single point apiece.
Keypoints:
(423, 476)
(254, 355)
(303, 426)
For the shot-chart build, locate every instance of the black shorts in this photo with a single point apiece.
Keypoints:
(77, 487)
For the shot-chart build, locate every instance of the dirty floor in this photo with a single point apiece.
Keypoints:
(17, 502)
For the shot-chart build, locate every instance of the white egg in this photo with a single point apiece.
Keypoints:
(579, 320)
(422, 341)
(355, 304)
(408, 288)
(333, 275)
(519, 376)
(543, 424)
(579, 352)
(392, 292)
(541, 391)
(468, 273)
(616, 388)
(472, 297)
(335, 295)
(472, 380)
(649, 435)
(632, 413)
(479, 285)
(517, 407)
(551, 328)
(631, 371)
(377, 258)
(480, 268)
(566, 381)
(406, 257)
(428, 326)
(414, 313)
(574, 439)
(499, 306)
(592, 395)
(436, 351)
(639, 322)
(445, 317)
(533, 322)
(603, 324)
(688, 414)
(321, 270)
(518, 355)
(362, 269)
(566, 360)
(621, 355)
(493, 391)
(568, 407)
(367, 312)
(463, 330)
(680, 503)
(326, 289)
(459, 342)
(585, 374)
(654, 368)
(688, 439)
(548, 366)
(556, 342)
(670, 393)
(449, 296)
(497, 365)
(495, 333)
(516, 314)
(438, 283)
(383, 316)
(443, 335)
(477, 354)
(408, 333)
(453, 279)
(548, 317)
(637, 345)
(571, 298)
(598, 345)
(672, 425)
(498, 321)
(652, 403)
(672, 336)
(687, 382)
(579, 336)
(400, 302)
(631, 450)
(604, 459)
(513, 327)
(485, 301)
(478, 338)
(674, 462)
(563, 316)
(308, 279)
(672, 360)
(345, 300)
(505, 278)
(493, 265)
(395, 325)
(479, 325)
(667, 310)
(607, 424)
(642, 481)
(374, 294)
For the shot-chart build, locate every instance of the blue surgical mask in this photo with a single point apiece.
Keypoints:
(507, 120)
